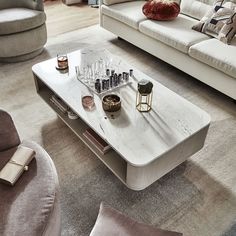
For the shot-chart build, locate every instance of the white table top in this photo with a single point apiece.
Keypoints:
(139, 138)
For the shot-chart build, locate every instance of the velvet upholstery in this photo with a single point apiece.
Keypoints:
(111, 222)
(31, 207)
(20, 215)
(8, 134)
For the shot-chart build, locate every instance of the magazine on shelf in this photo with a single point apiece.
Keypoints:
(59, 103)
(97, 141)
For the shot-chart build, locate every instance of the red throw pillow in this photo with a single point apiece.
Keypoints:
(161, 9)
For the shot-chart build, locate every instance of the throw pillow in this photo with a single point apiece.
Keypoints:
(214, 21)
(161, 9)
(228, 31)
(112, 222)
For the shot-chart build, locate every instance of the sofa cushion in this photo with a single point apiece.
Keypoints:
(129, 13)
(111, 222)
(216, 54)
(215, 19)
(196, 8)
(228, 31)
(177, 33)
(15, 20)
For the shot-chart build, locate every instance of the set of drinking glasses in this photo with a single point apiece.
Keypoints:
(88, 74)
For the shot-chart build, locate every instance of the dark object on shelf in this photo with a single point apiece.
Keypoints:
(111, 103)
(144, 96)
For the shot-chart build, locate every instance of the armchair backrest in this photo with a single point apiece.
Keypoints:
(30, 4)
(8, 134)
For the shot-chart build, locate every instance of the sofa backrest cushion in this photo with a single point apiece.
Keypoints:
(196, 8)
(30, 4)
(8, 134)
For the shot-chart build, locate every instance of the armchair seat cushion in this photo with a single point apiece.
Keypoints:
(14, 20)
(31, 206)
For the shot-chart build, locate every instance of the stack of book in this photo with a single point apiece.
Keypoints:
(59, 103)
(97, 141)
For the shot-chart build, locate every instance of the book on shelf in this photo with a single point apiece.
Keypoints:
(59, 103)
(97, 141)
(18, 163)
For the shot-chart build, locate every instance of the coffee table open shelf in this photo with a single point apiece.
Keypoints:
(111, 159)
(144, 146)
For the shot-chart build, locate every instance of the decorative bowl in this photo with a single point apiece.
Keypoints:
(111, 103)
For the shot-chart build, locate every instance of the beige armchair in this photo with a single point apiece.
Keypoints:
(22, 29)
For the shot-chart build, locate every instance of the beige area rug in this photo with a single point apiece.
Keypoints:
(197, 198)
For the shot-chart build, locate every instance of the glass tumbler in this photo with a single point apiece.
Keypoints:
(87, 99)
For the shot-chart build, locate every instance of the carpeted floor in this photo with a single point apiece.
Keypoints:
(197, 198)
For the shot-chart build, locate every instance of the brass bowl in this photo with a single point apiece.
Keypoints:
(111, 103)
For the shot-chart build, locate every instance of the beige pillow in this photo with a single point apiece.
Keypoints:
(216, 19)
(228, 31)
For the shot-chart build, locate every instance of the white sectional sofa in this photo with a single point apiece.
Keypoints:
(200, 56)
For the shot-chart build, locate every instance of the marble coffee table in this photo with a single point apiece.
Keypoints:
(145, 146)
